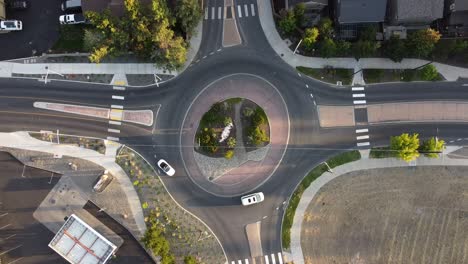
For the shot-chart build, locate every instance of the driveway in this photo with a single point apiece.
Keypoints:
(40, 30)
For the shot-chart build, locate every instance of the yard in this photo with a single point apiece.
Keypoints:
(394, 215)
(329, 75)
(397, 75)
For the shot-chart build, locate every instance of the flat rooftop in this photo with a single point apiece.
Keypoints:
(77, 242)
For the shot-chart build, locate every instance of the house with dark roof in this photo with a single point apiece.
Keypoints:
(360, 11)
(415, 13)
(456, 17)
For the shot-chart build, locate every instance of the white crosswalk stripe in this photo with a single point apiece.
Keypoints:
(212, 13)
(220, 13)
(206, 13)
(273, 260)
(362, 144)
(267, 261)
(252, 8)
(239, 11)
(246, 9)
(280, 258)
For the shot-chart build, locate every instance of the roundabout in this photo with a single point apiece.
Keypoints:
(251, 164)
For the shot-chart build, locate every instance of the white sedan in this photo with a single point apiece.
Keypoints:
(163, 165)
(252, 198)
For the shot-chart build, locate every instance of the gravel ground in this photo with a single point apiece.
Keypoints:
(397, 215)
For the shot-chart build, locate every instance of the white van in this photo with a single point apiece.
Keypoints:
(252, 198)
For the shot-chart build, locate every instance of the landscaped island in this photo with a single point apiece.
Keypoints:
(230, 124)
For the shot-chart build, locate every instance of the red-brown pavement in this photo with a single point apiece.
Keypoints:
(251, 174)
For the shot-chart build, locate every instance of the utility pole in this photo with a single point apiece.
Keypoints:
(47, 74)
(295, 50)
(329, 169)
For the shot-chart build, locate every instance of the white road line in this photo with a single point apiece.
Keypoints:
(311, 95)
(252, 8)
(267, 261)
(218, 50)
(362, 144)
(458, 139)
(299, 74)
(11, 249)
(206, 13)
(360, 102)
(362, 137)
(118, 97)
(273, 260)
(211, 53)
(3, 214)
(246, 261)
(113, 138)
(5, 226)
(8, 237)
(246, 9)
(239, 11)
(307, 86)
(364, 130)
(280, 258)
(117, 123)
(465, 84)
(111, 130)
(239, 261)
(358, 95)
(451, 141)
(212, 13)
(315, 103)
(204, 57)
(220, 9)
(11, 262)
(357, 89)
(117, 106)
(119, 88)
(233, 262)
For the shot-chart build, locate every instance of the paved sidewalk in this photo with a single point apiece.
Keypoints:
(363, 164)
(22, 140)
(450, 73)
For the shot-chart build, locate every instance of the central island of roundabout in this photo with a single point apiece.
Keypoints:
(234, 135)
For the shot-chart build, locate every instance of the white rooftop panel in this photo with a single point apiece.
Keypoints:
(77, 242)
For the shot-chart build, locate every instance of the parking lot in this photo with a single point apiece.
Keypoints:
(22, 189)
(40, 30)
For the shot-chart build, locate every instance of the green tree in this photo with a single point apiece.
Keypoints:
(326, 28)
(288, 22)
(422, 42)
(92, 38)
(406, 146)
(155, 241)
(395, 48)
(431, 146)
(188, 13)
(310, 38)
(190, 260)
(429, 73)
(231, 142)
(365, 48)
(299, 11)
(327, 48)
(343, 48)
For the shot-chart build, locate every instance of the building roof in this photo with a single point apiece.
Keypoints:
(419, 10)
(461, 5)
(361, 11)
(77, 242)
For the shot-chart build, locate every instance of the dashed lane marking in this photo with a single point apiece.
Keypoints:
(360, 102)
(299, 74)
(362, 137)
(307, 86)
(113, 138)
(465, 84)
(358, 95)
(311, 95)
(117, 106)
(118, 97)
(364, 130)
(119, 88)
(117, 123)
(357, 89)
(315, 103)
(362, 144)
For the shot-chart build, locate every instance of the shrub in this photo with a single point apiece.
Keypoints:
(310, 37)
(327, 48)
(429, 73)
(395, 49)
(190, 260)
(231, 142)
(227, 120)
(406, 146)
(259, 117)
(229, 154)
(422, 42)
(258, 136)
(326, 28)
(248, 112)
(299, 11)
(365, 48)
(432, 146)
(288, 22)
(343, 48)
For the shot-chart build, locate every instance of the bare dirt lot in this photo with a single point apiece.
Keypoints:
(396, 215)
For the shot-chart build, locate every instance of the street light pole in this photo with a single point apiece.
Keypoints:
(47, 74)
(298, 44)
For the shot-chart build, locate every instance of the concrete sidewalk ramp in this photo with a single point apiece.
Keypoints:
(253, 236)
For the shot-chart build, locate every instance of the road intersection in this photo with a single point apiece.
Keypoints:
(308, 144)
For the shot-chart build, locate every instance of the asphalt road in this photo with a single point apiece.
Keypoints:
(309, 144)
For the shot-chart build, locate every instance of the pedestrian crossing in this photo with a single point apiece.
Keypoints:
(274, 258)
(362, 133)
(221, 12)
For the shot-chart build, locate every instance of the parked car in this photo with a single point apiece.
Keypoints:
(70, 19)
(11, 25)
(72, 6)
(163, 165)
(252, 198)
(17, 4)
